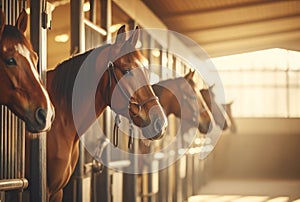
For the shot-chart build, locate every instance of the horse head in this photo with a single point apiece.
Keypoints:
(130, 93)
(21, 88)
(216, 111)
(194, 107)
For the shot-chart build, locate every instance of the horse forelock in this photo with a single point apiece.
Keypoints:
(13, 36)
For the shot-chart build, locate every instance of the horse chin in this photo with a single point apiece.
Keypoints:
(31, 128)
(35, 129)
(225, 125)
(204, 129)
(151, 134)
(153, 126)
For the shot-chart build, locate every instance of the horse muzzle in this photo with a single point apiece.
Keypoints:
(158, 124)
(42, 120)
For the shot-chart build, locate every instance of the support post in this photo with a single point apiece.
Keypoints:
(38, 39)
(101, 183)
(78, 46)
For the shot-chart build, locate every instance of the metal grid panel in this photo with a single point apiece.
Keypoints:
(12, 129)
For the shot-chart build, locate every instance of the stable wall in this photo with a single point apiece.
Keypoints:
(262, 148)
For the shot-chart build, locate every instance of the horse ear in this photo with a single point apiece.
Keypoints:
(134, 37)
(229, 103)
(211, 87)
(2, 22)
(121, 36)
(22, 21)
(189, 75)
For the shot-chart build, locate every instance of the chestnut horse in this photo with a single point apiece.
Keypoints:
(119, 87)
(21, 88)
(181, 97)
(229, 118)
(218, 113)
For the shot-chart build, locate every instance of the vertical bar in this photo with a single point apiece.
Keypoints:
(9, 136)
(13, 13)
(78, 43)
(38, 141)
(13, 146)
(77, 28)
(92, 15)
(1, 140)
(104, 179)
(5, 143)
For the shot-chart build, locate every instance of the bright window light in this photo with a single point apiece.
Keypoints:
(237, 198)
(279, 199)
(61, 38)
(86, 6)
(275, 58)
(272, 76)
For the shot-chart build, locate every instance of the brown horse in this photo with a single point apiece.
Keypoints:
(229, 118)
(218, 113)
(119, 87)
(181, 97)
(21, 88)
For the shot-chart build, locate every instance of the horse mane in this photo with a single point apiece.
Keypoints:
(15, 36)
(159, 87)
(66, 72)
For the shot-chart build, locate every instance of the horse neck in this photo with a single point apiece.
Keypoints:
(164, 91)
(60, 84)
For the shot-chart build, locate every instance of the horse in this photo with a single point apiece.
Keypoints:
(218, 113)
(21, 89)
(118, 88)
(181, 97)
(229, 118)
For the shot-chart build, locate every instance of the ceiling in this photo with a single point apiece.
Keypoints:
(221, 27)
(225, 27)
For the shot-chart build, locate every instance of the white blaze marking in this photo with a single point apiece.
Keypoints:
(23, 50)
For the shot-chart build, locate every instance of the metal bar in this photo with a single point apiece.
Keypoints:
(92, 13)
(37, 179)
(1, 140)
(95, 27)
(78, 43)
(9, 136)
(21, 158)
(13, 150)
(13, 184)
(5, 143)
(77, 29)
(105, 176)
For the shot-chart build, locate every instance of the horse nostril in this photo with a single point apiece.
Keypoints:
(40, 117)
(157, 125)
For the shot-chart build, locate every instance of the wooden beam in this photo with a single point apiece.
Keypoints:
(232, 25)
(250, 44)
(237, 5)
(252, 36)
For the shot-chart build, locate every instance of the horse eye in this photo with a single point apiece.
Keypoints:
(11, 62)
(125, 72)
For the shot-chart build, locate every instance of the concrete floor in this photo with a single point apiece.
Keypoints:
(249, 191)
